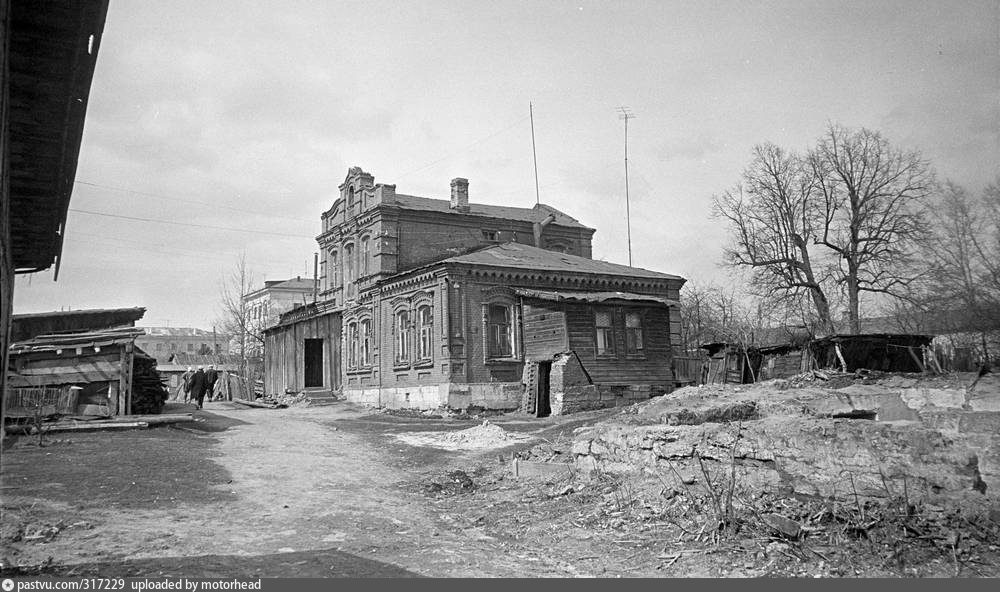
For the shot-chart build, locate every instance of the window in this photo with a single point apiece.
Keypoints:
(633, 333)
(499, 331)
(402, 328)
(365, 255)
(350, 201)
(490, 235)
(190, 347)
(425, 319)
(173, 347)
(352, 345)
(365, 355)
(335, 270)
(159, 347)
(605, 334)
(349, 268)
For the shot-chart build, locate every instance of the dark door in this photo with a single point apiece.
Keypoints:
(542, 406)
(312, 376)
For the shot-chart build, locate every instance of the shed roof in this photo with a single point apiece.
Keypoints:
(59, 341)
(534, 214)
(518, 256)
(52, 51)
(564, 296)
(26, 326)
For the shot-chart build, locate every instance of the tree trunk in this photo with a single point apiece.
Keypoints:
(852, 297)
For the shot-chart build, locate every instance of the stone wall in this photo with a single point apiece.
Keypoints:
(494, 396)
(866, 440)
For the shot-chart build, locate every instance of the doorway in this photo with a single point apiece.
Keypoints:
(312, 375)
(543, 407)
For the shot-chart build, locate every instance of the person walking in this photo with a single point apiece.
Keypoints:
(211, 377)
(186, 383)
(198, 385)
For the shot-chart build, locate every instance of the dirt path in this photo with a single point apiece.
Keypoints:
(309, 491)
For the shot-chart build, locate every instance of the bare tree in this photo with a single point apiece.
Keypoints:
(960, 292)
(872, 196)
(237, 319)
(773, 220)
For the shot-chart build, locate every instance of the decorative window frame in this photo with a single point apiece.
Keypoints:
(502, 297)
(402, 336)
(422, 330)
(612, 350)
(640, 352)
(364, 255)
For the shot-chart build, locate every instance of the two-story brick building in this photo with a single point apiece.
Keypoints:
(431, 302)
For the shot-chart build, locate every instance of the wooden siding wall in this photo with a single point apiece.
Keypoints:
(6, 258)
(654, 365)
(544, 330)
(284, 354)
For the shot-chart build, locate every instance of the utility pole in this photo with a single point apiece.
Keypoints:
(626, 114)
(534, 156)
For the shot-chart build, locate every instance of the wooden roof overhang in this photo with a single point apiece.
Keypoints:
(595, 297)
(52, 51)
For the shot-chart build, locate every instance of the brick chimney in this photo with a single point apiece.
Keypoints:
(460, 194)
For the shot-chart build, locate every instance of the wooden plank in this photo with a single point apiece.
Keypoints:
(97, 425)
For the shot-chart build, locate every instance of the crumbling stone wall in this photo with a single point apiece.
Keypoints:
(818, 442)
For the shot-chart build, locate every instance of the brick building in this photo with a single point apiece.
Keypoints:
(267, 304)
(163, 342)
(427, 303)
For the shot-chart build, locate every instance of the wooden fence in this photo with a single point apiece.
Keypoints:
(688, 369)
(27, 402)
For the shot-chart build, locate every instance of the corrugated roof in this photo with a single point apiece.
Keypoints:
(518, 256)
(562, 296)
(535, 214)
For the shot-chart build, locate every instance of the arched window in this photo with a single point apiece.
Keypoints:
(364, 256)
(353, 345)
(499, 331)
(402, 328)
(365, 353)
(336, 279)
(350, 200)
(425, 322)
(349, 268)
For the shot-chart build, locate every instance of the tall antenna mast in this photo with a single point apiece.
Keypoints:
(534, 156)
(626, 114)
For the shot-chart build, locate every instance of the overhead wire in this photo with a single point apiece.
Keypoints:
(190, 201)
(190, 224)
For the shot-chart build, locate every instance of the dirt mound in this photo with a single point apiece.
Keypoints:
(483, 436)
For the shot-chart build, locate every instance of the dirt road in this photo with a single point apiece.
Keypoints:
(308, 491)
(338, 491)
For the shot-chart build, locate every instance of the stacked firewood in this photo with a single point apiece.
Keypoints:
(149, 392)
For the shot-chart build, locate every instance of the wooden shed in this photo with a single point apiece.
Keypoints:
(303, 353)
(114, 376)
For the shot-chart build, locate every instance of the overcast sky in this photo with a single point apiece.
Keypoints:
(212, 115)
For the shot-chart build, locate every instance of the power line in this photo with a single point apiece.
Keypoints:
(191, 224)
(190, 201)
(464, 148)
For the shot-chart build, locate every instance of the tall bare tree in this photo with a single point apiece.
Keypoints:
(872, 196)
(773, 220)
(237, 319)
(962, 254)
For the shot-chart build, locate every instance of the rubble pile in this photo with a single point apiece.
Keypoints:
(873, 439)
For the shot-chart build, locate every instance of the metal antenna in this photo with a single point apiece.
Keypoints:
(534, 156)
(626, 114)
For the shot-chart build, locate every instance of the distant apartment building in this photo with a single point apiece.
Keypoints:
(162, 342)
(267, 304)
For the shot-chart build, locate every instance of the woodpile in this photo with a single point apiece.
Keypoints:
(149, 391)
